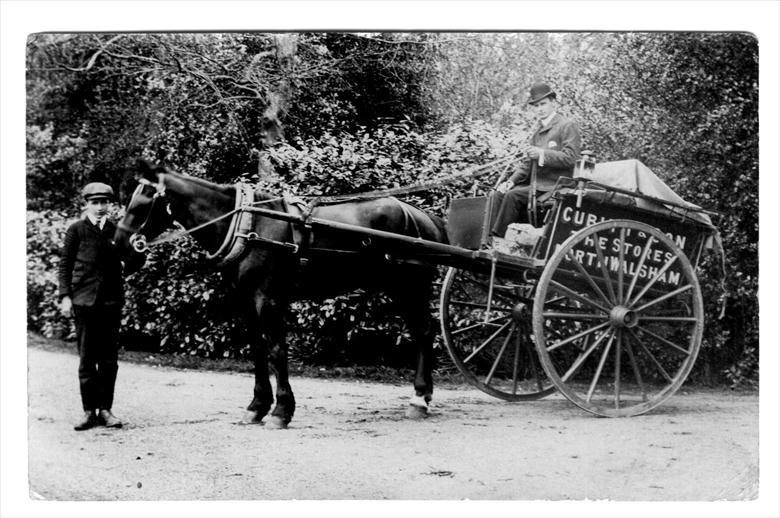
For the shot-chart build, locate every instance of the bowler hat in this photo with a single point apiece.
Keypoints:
(97, 190)
(539, 91)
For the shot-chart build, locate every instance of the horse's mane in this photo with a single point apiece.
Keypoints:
(222, 188)
(226, 189)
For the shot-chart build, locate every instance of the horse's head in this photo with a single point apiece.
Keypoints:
(147, 213)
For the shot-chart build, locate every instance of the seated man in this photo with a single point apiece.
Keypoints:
(554, 149)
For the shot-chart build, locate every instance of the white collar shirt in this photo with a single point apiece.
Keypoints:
(544, 122)
(98, 222)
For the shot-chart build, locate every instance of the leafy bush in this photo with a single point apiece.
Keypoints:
(180, 303)
(45, 235)
(686, 104)
(391, 157)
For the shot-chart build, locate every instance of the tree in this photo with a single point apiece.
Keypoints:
(340, 112)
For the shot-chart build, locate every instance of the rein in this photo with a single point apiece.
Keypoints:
(471, 172)
(140, 244)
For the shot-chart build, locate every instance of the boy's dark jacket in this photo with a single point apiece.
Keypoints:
(90, 265)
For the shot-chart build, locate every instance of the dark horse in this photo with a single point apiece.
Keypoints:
(268, 273)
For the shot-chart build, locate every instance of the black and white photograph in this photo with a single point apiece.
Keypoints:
(363, 267)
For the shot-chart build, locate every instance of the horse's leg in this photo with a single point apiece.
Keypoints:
(414, 305)
(259, 333)
(285, 400)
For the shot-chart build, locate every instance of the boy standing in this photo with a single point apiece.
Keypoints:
(91, 291)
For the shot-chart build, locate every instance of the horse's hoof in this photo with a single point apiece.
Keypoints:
(251, 417)
(416, 412)
(275, 423)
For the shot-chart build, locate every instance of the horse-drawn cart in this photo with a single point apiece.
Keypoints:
(605, 306)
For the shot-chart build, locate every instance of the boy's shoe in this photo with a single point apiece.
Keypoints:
(89, 421)
(107, 419)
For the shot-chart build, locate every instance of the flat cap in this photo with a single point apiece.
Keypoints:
(97, 190)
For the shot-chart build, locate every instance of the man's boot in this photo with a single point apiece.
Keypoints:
(107, 419)
(88, 422)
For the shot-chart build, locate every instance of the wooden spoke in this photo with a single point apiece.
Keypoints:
(664, 340)
(602, 361)
(650, 355)
(617, 367)
(635, 367)
(573, 294)
(573, 316)
(499, 355)
(498, 290)
(534, 362)
(604, 268)
(556, 300)
(655, 318)
(482, 350)
(665, 297)
(621, 261)
(584, 356)
(654, 279)
(460, 288)
(517, 363)
(465, 304)
(590, 280)
(492, 322)
(579, 335)
(655, 343)
(639, 267)
(486, 342)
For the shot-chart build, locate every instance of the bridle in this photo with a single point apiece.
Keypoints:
(139, 241)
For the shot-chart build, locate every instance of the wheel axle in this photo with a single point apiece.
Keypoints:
(520, 312)
(621, 316)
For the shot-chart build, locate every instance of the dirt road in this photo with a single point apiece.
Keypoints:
(350, 440)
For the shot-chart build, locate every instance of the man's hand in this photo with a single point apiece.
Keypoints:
(66, 307)
(505, 186)
(532, 152)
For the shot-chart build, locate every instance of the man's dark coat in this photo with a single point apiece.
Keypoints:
(560, 140)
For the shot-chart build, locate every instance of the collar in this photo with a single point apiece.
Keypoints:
(546, 122)
(98, 222)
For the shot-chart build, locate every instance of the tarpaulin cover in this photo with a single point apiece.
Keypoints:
(632, 175)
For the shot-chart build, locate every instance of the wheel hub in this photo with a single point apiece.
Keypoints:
(621, 316)
(520, 312)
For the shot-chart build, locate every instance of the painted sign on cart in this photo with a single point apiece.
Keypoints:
(572, 217)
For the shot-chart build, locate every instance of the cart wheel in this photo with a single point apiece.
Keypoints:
(492, 349)
(619, 339)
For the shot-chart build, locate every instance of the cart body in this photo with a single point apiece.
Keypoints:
(606, 309)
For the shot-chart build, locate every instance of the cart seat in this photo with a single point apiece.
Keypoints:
(468, 221)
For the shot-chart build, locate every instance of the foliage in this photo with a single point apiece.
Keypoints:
(45, 234)
(386, 158)
(337, 113)
(208, 103)
(687, 106)
(182, 305)
(55, 166)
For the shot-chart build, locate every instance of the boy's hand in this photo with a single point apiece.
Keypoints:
(66, 307)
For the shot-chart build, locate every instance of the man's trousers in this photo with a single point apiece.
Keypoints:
(513, 209)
